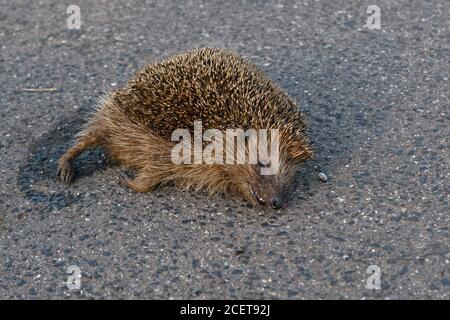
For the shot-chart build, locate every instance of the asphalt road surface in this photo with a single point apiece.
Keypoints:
(377, 101)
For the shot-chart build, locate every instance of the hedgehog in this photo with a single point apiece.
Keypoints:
(220, 88)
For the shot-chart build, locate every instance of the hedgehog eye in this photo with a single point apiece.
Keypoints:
(256, 196)
(263, 165)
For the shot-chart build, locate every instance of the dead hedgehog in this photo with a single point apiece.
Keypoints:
(135, 126)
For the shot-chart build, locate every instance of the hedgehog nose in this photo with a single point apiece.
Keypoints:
(275, 203)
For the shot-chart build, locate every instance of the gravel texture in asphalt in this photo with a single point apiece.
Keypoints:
(377, 101)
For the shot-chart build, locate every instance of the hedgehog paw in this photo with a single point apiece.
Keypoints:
(124, 180)
(65, 171)
(134, 184)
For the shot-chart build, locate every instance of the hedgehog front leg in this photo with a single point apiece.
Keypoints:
(65, 170)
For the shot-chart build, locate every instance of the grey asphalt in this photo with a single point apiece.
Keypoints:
(378, 106)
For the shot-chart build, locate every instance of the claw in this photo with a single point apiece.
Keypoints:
(124, 180)
(65, 172)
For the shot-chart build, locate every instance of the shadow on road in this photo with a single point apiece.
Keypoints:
(41, 164)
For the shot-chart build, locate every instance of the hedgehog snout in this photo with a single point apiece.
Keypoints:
(276, 203)
(265, 195)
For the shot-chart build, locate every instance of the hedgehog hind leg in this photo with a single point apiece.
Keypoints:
(86, 141)
(141, 183)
